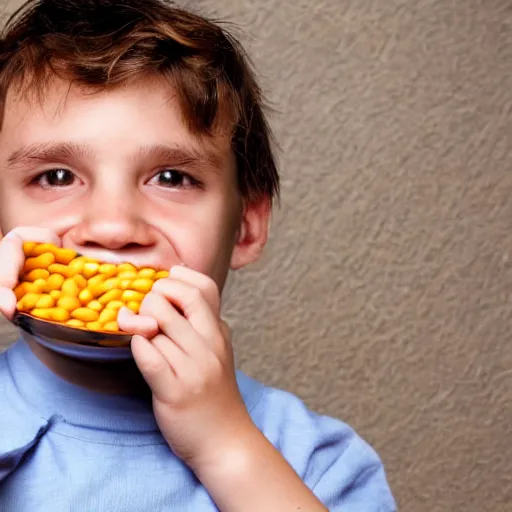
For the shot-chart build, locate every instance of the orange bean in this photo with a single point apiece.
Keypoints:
(70, 287)
(42, 261)
(95, 305)
(134, 306)
(149, 273)
(132, 295)
(37, 286)
(59, 268)
(111, 283)
(94, 326)
(73, 322)
(64, 256)
(38, 273)
(110, 296)
(111, 327)
(116, 305)
(68, 303)
(126, 267)
(90, 269)
(107, 315)
(109, 269)
(85, 314)
(28, 247)
(80, 281)
(85, 296)
(39, 249)
(20, 290)
(45, 302)
(54, 282)
(143, 285)
(76, 266)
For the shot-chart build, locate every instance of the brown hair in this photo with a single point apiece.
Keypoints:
(104, 43)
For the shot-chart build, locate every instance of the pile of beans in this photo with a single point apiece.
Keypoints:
(62, 286)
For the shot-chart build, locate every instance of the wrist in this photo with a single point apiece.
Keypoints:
(249, 474)
(233, 453)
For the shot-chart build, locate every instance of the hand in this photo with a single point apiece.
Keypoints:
(183, 351)
(12, 259)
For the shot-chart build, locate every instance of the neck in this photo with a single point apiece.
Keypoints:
(119, 378)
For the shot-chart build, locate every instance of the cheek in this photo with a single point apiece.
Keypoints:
(204, 240)
(13, 209)
(19, 209)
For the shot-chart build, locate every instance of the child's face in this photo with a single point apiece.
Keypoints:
(118, 176)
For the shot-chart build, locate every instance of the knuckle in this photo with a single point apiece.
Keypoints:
(152, 366)
(195, 383)
(161, 285)
(209, 286)
(191, 299)
(147, 302)
(195, 296)
(214, 367)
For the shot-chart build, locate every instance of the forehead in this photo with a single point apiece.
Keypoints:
(143, 113)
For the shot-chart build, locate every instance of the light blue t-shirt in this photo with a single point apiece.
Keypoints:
(67, 449)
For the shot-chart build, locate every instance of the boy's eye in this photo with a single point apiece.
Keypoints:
(171, 178)
(55, 178)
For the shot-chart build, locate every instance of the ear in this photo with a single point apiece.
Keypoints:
(252, 234)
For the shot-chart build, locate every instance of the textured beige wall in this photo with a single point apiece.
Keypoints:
(385, 294)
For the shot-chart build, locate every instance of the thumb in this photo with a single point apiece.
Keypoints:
(12, 258)
(7, 303)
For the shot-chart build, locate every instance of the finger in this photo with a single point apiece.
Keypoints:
(36, 234)
(12, 259)
(173, 325)
(174, 355)
(225, 329)
(12, 256)
(141, 325)
(7, 303)
(190, 300)
(153, 366)
(204, 283)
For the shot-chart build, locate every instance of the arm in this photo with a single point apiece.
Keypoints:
(251, 475)
(183, 350)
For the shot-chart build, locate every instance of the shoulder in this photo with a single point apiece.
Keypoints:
(331, 458)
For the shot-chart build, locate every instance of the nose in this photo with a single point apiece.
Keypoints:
(112, 223)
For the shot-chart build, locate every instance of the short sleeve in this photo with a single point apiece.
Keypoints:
(352, 478)
(342, 469)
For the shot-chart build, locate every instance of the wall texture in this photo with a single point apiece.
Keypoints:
(384, 297)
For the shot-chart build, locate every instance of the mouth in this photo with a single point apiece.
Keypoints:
(137, 257)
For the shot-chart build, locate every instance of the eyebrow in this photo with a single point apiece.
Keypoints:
(179, 155)
(163, 154)
(47, 152)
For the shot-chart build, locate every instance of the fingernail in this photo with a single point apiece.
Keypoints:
(179, 265)
(125, 311)
(10, 235)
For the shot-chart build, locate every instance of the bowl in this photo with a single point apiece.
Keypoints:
(60, 286)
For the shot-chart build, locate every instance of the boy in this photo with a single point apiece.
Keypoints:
(134, 131)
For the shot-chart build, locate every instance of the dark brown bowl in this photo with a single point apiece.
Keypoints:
(59, 332)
